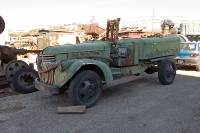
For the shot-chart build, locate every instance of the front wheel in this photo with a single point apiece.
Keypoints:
(85, 89)
(167, 71)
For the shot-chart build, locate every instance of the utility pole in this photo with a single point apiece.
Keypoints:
(153, 22)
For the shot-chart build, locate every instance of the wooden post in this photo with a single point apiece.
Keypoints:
(72, 110)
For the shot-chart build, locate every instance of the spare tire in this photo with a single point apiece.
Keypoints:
(24, 80)
(2, 25)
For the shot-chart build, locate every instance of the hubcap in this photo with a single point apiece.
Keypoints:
(87, 90)
(169, 71)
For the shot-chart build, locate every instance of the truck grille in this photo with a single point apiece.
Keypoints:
(47, 77)
(47, 62)
(48, 58)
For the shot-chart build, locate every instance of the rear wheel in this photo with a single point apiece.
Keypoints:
(85, 89)
(167, 71)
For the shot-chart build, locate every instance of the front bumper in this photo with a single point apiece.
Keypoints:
(45, 87)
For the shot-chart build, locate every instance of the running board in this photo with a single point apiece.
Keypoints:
(122, 80)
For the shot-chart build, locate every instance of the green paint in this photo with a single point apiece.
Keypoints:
(130, 56)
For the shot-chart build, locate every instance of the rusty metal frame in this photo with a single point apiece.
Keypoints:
(112, 30)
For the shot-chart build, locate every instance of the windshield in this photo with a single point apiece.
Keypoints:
(188, 47)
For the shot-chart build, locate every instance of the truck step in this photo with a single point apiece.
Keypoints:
(116, 73)
(123, 80)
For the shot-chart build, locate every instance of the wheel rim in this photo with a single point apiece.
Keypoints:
(170, 71)
(87, 91)
(26, 79)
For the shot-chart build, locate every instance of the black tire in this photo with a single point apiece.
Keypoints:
(2, 25)
(167, 71)
(85, 89)
(24, 80)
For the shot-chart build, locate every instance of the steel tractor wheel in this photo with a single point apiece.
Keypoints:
(167, 71)
(14, 66)
(85, 89)
(23, 80)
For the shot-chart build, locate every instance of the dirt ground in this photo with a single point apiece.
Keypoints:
(141, 106)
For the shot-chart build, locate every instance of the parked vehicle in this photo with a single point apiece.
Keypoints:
(189, 54)
(86, 68)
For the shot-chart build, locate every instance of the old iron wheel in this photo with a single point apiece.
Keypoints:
(85, 89)
(23, 80)
(12, 67)
(2, 25)
(167, 71)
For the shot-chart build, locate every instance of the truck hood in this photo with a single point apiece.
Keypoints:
(71, 48)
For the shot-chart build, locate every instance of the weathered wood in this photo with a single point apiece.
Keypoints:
(72, 110)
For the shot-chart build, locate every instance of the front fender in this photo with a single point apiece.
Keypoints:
(63, 76)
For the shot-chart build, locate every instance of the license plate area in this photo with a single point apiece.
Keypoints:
(181, 61)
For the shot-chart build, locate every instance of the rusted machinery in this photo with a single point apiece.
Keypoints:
(8, 54)
(94, 32)
(17, 73)
(166, 26)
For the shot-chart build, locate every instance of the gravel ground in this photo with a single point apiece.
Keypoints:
(141, 106)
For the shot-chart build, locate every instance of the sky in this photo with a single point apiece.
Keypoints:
(26, 14)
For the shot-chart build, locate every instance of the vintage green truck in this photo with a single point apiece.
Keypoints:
(84, 69)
